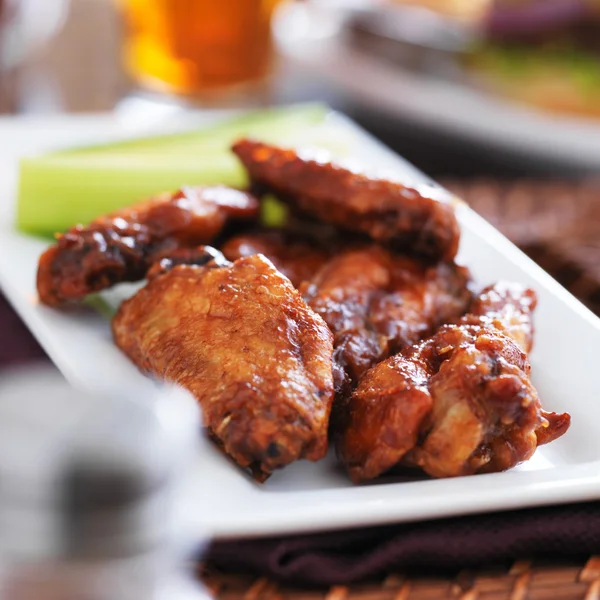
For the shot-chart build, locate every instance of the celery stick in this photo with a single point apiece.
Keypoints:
(63, 188)
(56, 194)
(273, 212)
(101, 305)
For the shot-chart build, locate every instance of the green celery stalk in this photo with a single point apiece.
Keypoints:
(63, 188)
(57, 193)
(273, 212)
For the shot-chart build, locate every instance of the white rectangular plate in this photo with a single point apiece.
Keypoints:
(220, 500)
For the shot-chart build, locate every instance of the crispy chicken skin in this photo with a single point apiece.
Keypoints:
(421, 220)
(376, 303)
(507, 307)
(460, 402)
(242, 340)
(122, 246)
(200, 256)
(297, 257)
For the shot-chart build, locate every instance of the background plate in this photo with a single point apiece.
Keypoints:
(310, 37)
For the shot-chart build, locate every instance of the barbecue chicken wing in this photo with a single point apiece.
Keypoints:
(242, 340)
(200, 256)
(458, 403)
(509, 308)
(419, 220)
(297, 257)
(123, 245)
(377, 303)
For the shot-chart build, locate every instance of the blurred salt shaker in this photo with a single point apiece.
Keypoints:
(87, 483)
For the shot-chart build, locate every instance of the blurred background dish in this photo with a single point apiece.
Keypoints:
(518, 77)
(545, 54)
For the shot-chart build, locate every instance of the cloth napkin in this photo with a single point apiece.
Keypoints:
(17, 345)
(344, 557)
(348, 556)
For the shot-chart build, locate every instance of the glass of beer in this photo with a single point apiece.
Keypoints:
(198, 48)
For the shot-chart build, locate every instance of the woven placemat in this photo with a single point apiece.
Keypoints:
(521, 581)
(557, 223)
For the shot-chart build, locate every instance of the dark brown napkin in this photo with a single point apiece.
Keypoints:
(17, 345)
(344, 557)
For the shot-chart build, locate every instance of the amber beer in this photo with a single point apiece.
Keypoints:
(196, 47)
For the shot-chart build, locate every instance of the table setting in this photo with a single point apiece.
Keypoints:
(528, 527)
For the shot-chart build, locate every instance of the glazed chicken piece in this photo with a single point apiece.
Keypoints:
(123, 245)
(242, 340)
(420, 220)
(509, 308)
(200, 256)
(297, 257)
(459, 403)
(377, 303)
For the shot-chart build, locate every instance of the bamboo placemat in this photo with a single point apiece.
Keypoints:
(521, 581)
(557, 223)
